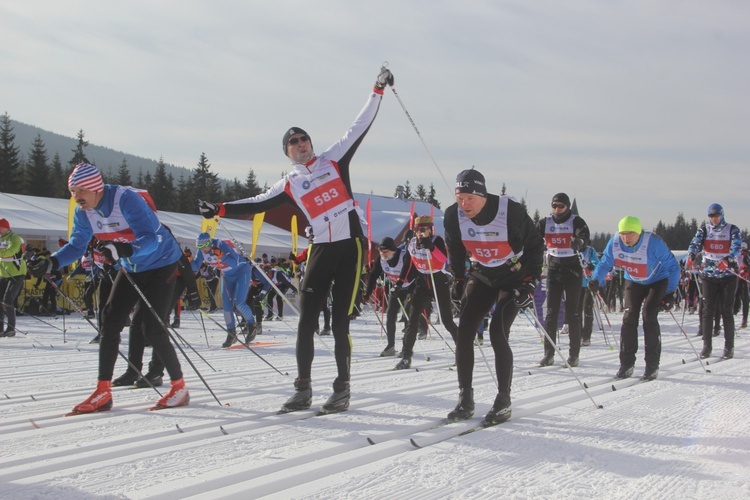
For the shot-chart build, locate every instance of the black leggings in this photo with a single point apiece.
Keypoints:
(157, 286)
(330, 266)
(477, 301)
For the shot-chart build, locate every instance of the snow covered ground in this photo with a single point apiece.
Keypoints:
(685, 435)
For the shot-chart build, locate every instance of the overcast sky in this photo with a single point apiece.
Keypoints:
(632, 107)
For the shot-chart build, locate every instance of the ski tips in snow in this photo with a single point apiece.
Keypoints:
(179, 429)
(223, 431)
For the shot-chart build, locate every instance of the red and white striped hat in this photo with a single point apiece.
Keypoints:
(87, 177)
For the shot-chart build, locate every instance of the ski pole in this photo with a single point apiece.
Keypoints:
(606, 317)
(246, 346)
(598, 316)
(166, 328)
(689, 341)
(537, 326)
(414, 125)
(437, 302)
(738, 275)
(96, 329)
(408, 321)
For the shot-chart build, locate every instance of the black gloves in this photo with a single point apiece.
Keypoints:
(524, 295)
(594, 286)
(667, 302)
(426, 243)
(42, 265)
(399, 284)
(384, 78)
(209, 210)
(292, 257)
(457, 290)
(113, 251)
(577, 244)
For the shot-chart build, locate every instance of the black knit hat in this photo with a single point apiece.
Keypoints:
(561, 198)
(289, 133)
(471, 182)
(387, 243)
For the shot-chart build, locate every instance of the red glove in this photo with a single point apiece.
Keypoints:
(689, 262)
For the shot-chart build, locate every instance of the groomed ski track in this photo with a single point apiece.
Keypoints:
(558, 443)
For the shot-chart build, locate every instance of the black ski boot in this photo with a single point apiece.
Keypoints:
(728, 352)
(651, 373)
(251, 331)
(573, 361)
(706, 351)
(464, 409)
(302, 398)
(175, 322)
(548, 359)
(404, 364)
(126, 379)
(156, 379)
(624, 372)
(95, 340)
(9, 332)
(231, 338)
(339, 400)
(388, 351)
(500, 411)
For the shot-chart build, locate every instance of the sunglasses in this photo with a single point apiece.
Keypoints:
(558, 205)
(714, 215)
(295, 140)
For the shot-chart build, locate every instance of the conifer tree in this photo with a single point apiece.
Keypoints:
(432, 197)
(206, 184)
(37, 176)
(58, 187)
(407, 191)
(123, 174)
(186, 199)
(161, 188)
(251, 183)
(10, 161)
(79, 156)
(420, 193)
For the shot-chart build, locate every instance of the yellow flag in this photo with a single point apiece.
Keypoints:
(71, 211)
(257, 223)
(294, 234)
(209, 226)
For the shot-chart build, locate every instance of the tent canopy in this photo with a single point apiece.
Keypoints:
(42, 221)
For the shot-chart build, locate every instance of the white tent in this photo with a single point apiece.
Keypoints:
(42, 221)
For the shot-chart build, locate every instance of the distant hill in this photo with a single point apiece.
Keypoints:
(108, 160)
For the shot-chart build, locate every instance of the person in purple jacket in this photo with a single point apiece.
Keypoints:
(651, 277)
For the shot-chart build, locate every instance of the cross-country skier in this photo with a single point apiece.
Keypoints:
(651, 276)
(565, 234)
(12, 276)
(237, 276)
(129, 233)
(721, 244)
(506, 252)
(320, 186)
